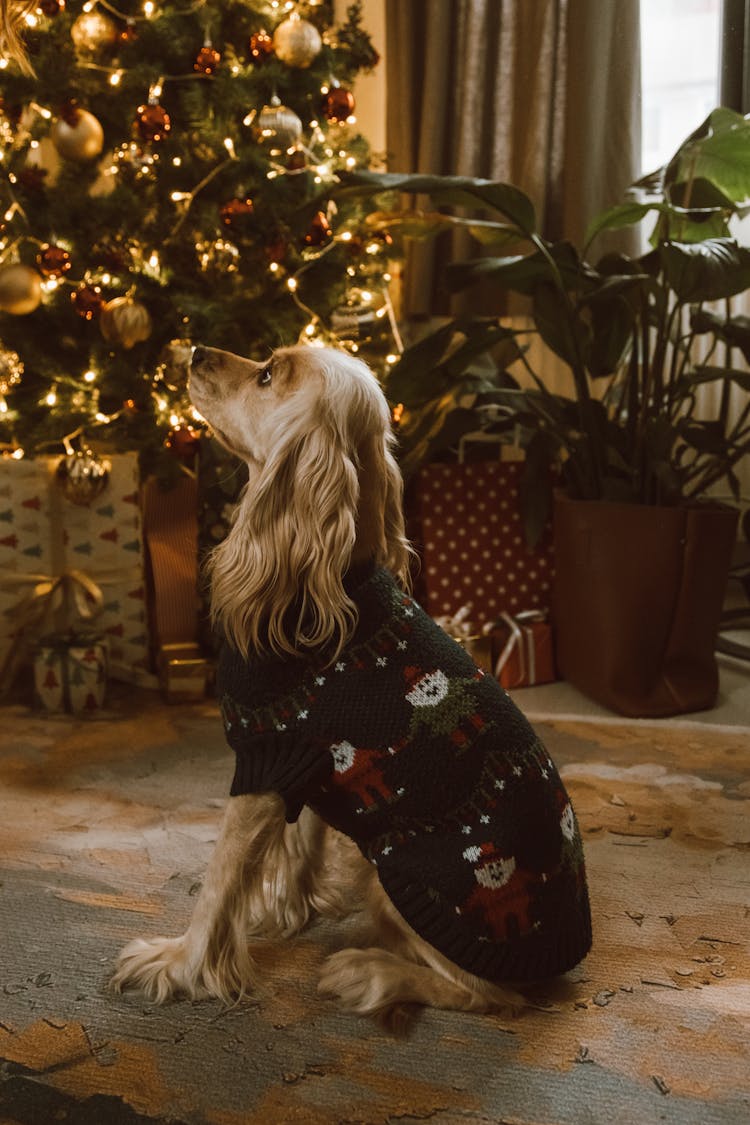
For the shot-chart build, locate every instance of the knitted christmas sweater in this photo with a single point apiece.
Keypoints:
(404, 745)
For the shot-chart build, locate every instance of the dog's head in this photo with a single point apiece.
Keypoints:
(324, 491)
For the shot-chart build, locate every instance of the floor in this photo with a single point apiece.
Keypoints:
(105, 828)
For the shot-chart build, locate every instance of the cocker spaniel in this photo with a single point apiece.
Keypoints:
(370, 750)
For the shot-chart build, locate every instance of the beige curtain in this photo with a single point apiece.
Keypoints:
(543, 94)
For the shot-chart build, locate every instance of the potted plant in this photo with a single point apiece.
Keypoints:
(642, 553)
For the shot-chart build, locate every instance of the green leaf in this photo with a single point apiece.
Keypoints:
(460, 191)
(535, 489)
(522, 273)
(567, 335)
(612, 325)
(717, 151)
(709, 374)
(693, 197)
(706, 271)
(622, 215)
(734, 330)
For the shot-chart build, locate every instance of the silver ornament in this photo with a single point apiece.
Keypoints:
(82, 476)
(278, 125)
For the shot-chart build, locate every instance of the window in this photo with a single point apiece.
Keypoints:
(680, 53)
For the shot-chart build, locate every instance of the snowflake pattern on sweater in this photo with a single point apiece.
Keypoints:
(412, 751)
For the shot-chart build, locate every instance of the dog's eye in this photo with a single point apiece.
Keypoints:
(264, 378)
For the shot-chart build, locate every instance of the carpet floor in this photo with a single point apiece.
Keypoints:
(105, 829)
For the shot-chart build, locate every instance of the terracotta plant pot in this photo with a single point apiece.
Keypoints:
(637, 599)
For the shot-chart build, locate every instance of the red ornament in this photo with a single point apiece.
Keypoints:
(235, 210)
(87, 301)
(184, 442)
(128, 34)
(32, 178)
(51, 8)
(319, 231)
(275, 249)
(207, 61)
(53, 261)
(260, 46)
(338, 104)
(296, 160)
(152, 122)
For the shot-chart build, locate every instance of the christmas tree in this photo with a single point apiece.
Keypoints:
(164, 176)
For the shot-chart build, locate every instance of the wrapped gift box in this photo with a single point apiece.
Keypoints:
(71, 676)
(522, 648)
(184, 673)
(43, 535)
(465, 521)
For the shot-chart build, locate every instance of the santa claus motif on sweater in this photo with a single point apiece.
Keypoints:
(359, 771)
(503, 896)
(441, 704)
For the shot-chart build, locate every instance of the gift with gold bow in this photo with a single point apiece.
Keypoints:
(53, 624)
(45, 537)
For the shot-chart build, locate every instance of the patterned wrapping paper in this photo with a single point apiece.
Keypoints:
(42, 533)
(466, 522)
(71, 677)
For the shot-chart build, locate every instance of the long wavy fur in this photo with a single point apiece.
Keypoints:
(277, 579)
(12, 15)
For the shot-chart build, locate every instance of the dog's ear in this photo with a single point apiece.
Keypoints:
(381, 513)
(277, 578)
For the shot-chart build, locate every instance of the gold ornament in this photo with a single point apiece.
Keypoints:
(93, 32)
(82, 476)
(297, 42)
(20, 289)
(125, 322)
(77, 135)
(277, 125)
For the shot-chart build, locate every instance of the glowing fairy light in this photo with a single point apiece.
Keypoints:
(51, 397)
(115, 78)
(292, 284)
(17, 454)
(89, 376)
(392, 359)
(148, 9)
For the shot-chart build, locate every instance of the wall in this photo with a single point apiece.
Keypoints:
(369, 90)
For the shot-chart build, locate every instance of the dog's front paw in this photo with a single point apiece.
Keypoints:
(156, 966)
(163, 968)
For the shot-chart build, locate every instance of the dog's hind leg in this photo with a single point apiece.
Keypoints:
(307, 875)
(380, 981)
(211, 957)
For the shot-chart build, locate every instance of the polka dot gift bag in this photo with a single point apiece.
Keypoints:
(465, 521)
